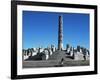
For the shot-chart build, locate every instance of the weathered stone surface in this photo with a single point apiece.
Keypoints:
(60, 33)
(78, 56)
(58, 55)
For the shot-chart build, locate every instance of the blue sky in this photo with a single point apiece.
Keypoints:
(41, 29)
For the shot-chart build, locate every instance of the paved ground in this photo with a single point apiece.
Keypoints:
(53, 63)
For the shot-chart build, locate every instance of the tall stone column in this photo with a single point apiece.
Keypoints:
(60, 33)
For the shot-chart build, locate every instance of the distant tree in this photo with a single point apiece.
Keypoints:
(67, 46)
(78, 48)
(71, 48)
